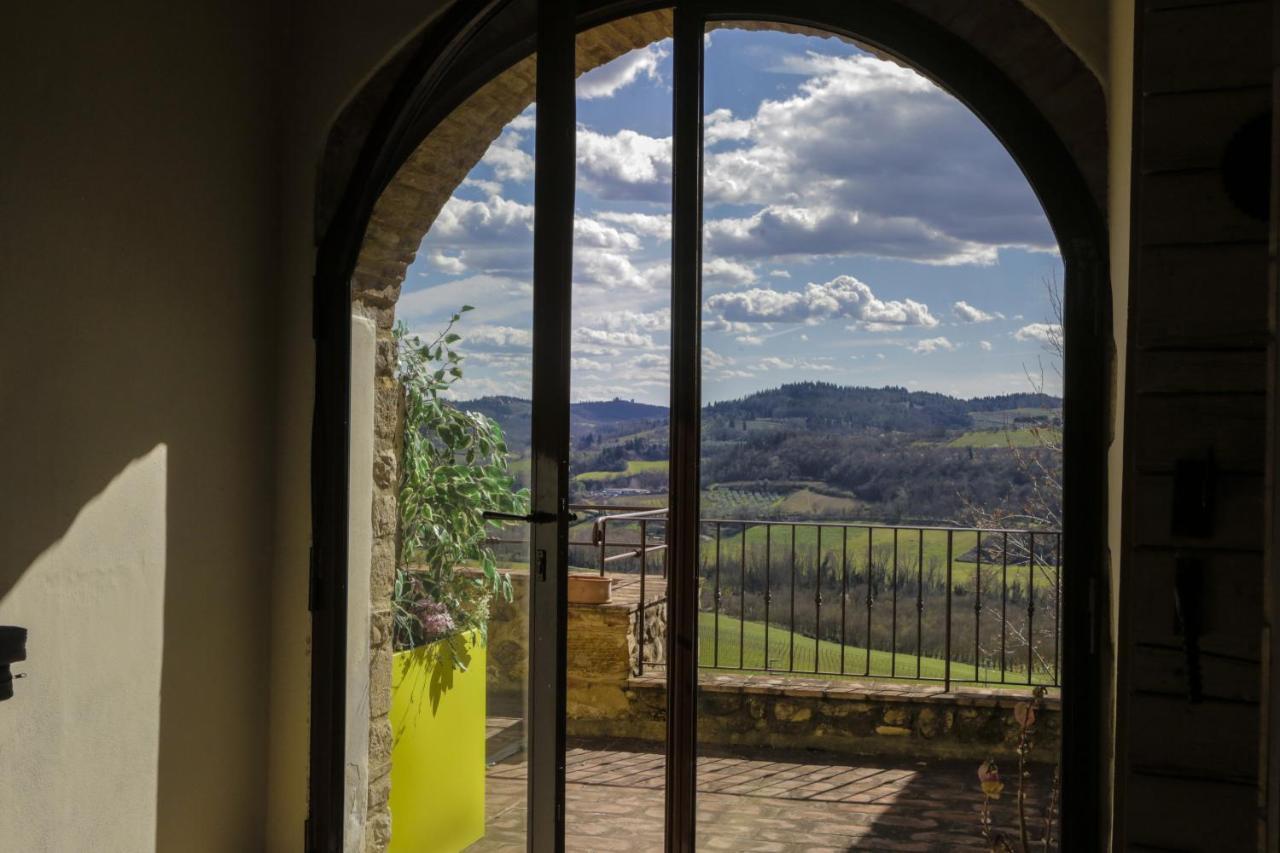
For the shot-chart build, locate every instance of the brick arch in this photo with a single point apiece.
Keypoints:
(1013, 41)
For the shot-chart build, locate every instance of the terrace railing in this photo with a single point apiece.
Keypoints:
(923, 603)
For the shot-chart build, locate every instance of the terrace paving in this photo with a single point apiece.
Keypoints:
(785, 802)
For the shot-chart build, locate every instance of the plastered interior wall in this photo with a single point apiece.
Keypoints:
(333, 47)
(1119, 186)
(137, 383)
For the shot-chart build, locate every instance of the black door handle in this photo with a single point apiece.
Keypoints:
(530, 518)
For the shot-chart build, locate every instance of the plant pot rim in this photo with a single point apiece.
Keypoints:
(590, 589)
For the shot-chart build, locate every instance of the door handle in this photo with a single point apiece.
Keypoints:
(540, 517)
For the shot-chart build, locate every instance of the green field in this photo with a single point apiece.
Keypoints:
(850, 544)
(806, 502)
(634, 466)
(750, 636)
(987, 438)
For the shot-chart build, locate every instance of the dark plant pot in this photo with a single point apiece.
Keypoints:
(590, 589)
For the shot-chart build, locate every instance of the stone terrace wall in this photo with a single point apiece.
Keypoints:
(606, 699)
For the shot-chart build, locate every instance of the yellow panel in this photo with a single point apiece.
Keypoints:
(437, 757)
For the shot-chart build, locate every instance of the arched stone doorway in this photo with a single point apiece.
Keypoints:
(427, 118)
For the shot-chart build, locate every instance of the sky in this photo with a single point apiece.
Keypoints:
(861, 227)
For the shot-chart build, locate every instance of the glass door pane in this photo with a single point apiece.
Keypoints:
(880, 463)
(461, 601)
(618, 460)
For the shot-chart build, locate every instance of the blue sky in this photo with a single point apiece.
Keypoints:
(861, 227)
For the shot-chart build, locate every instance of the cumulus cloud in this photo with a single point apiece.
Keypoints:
(727, 271)
(774, 362)
(624, 165)
(966, 313)
(611, 339)
(844, 297)
(779, 231)
(720, 126)
(932, 345)
(605, 81)
(863, 134)
(648, 225)
(508, 161)
(447, 264)
(1045, 333)
(498, 336)
(985, 346)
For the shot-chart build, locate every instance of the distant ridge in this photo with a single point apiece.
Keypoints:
(821, 405)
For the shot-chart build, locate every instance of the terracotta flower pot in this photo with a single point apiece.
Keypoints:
(590, 589)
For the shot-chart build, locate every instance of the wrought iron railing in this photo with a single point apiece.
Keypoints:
(820, 598)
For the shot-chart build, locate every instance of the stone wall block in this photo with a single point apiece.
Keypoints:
(380, 683)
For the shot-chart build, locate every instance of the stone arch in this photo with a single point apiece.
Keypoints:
(1014, 42)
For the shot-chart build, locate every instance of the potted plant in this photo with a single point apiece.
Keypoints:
(453, 468)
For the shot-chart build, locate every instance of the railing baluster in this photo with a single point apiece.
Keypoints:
(715, 645)
(791, 647)
(893, 634)
(867, 639)
(977, 608)
(946, 663)
(1004, 605)
(1057, 607)
(844, 594)
(1031, 605)
(817, 601)
(768, 587)
(742, 602)
(919, 601)
(640, 610)
(604, 539)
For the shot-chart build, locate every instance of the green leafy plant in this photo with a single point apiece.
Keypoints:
(453, 468)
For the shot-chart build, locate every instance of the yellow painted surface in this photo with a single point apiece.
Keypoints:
(437, 760)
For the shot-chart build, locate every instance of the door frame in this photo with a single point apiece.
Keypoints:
(438, 73)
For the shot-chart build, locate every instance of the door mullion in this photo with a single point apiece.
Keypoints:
(686, 402)
(548, 565)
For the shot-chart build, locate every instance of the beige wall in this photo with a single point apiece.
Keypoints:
(1119, 167)
(155, 402)
(137, 199)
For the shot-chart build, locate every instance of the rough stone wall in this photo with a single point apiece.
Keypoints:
(905, 721)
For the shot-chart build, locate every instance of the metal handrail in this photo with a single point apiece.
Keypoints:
(871, 580)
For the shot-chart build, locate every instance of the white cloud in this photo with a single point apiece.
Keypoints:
(496, 336)
(650, 225)
(750, 340)
(508, 161)
(612, 339)
(774, 362)
(591, 233)
(725, 270)
(446, 264)
(780, 231)
(1045, 333)
(966, 313)
(843, 296)
(720, 126)
(780, 274)
(985, 346)
(863, 135)
(625, 165)
(931, 345)
(606, 80)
